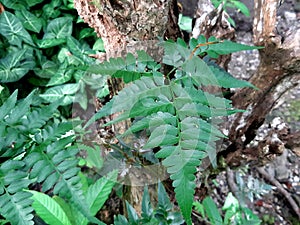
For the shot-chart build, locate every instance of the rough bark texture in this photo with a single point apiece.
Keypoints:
(278, 72)
(128, 25)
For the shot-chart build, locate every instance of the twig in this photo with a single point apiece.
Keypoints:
(286, 194)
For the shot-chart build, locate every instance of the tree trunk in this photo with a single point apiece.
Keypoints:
(278, 72)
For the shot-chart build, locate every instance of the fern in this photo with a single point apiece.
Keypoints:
(181, 117)
(129, 69)
(35, 148)
(15, 204)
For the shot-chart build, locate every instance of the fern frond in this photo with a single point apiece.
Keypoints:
(129, 69)
(15, 204)
(178, 115)
(143, 88)
(55, 166)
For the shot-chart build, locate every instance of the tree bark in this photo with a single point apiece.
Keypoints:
(278, 72)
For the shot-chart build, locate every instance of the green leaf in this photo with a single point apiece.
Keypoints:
(93, 157)
(212, 211)
(8, 105)
(16, 65)
(64, 92)
(80, 50)
(98, 193)
(226, 80)
(162, 135)
(15, 204)
(147, 209)
(31, 3)
(163, 198)
(70, 212)
(226, 47)
(200, 72)
(99, 45)
(14, 4)
(30, 21)
(62, 75)
(50, 42)
(132, 215)
(185, 23)
(48, 209)
(241, 7)
(13, 30)
(59, 28)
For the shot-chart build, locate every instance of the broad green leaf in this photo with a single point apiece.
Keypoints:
(8, 105)
(31, 3)
(99, 45)
(49, 210)
(65, 92)
(59, 28)
(86, 32)
(212, 211)
(62, 75)
(50, 42)
(185, 23)
(69, 211)
(30, 21)
(13, 30)
(98, 192)
(16, 65)
(14, 4)
(80, 50)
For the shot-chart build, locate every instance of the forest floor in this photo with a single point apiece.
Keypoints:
(271, 205)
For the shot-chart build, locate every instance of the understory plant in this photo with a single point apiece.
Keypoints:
(176, 110)
(235, 214)
(41, 44)
(162, 214)
(39, 154)
(235, 4)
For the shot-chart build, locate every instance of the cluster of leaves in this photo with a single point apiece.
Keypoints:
(173, 109)
(163, 214)
(235, 4)
(41, 44)
(235, 214)
(37, 148)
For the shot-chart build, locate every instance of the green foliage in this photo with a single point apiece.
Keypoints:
(41, 43)
(235, 4)
(36, 147)
(56, 211)
(177, 113)
(185, 23)
(234, 213)
(162, 214)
